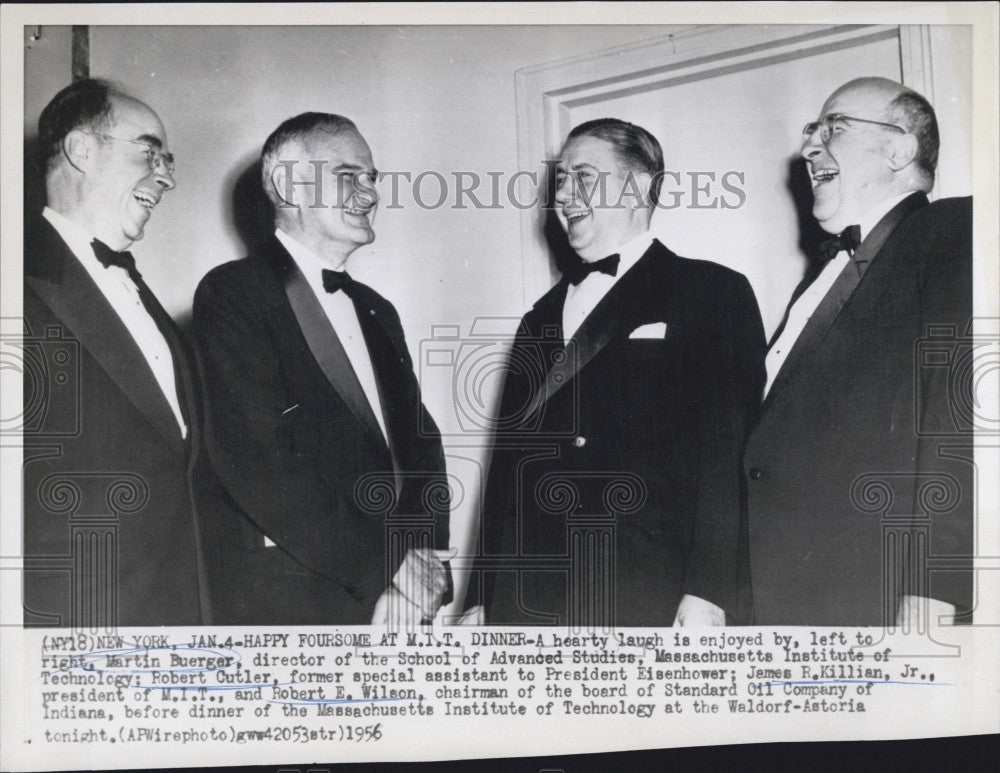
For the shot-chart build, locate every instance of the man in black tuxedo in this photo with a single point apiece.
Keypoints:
(613, 496)
(112, 418)
(859, 468)
(316, 426)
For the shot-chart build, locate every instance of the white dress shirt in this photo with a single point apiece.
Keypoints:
(807, 303)
(339, 309)
(121, 292)
(583, 298)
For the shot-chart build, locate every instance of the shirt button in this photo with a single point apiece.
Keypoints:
(756, 473)
(579, 441)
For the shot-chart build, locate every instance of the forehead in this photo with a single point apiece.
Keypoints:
(860, 102)
(132, 119)
(588, 150)
(345, 147)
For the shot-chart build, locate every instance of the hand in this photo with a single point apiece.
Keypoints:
(417, 590)
(695, 612)
(393, 609)
(472, 616)
(920, 613)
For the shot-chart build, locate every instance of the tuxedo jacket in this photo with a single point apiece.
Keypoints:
(614, 486)
(859, 467)
(111, 529)
(301, 454)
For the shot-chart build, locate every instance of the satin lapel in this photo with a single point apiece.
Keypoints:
(379, 334)
(837, 297)
(387, 363)
(58, 279)
(600, 326)
(544, 321)
(326, 347)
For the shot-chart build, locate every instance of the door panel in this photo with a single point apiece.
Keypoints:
(743, 129)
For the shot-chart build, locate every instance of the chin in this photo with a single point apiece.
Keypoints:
(134, 231)
(833, 225)
(827, 222)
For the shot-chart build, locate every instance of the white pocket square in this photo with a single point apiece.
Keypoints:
(652, 330)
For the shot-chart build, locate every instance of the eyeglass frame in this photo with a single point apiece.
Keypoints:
(153, 154)
(827, 122)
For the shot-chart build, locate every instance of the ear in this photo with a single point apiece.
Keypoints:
(901, 151)
(636, 189)
(284, 190)
(78, 149)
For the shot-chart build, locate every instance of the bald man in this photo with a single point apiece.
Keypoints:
(859, 473)
(112, 419)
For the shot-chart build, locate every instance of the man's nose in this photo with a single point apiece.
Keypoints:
(811, 146)
(564, 191)
(165, 179)
(365, 194)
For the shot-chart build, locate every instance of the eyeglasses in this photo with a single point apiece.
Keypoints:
(833, 123)
(153, 154)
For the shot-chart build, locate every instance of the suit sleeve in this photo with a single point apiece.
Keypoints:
(426, 459)
(717, 569)
(945, 403)
(250, 440)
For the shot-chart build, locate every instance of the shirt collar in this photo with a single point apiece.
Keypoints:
(310, 264)
(875, 214)
(634, 249)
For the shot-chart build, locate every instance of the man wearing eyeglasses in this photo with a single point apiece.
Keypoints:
(859, 476)
(111, 424)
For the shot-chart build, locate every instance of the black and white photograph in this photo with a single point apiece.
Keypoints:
(375, 377)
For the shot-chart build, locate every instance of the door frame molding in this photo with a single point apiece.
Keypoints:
(546, 93)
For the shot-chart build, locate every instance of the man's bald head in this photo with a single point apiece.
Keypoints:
(878, 92)
(105, 158)
(875, 140)
(901, 106)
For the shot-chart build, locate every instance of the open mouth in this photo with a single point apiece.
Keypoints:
(820, 176)
(145, 199)
(357, 212)
(575, 217)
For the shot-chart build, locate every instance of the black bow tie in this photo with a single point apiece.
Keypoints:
(336, 280)
(580, 270)
(849, 239)
(108, 257)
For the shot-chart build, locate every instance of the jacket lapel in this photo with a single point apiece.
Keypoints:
(843, 288)
(388, 362)
(323, 342)
(57, 278)
(607, 319)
